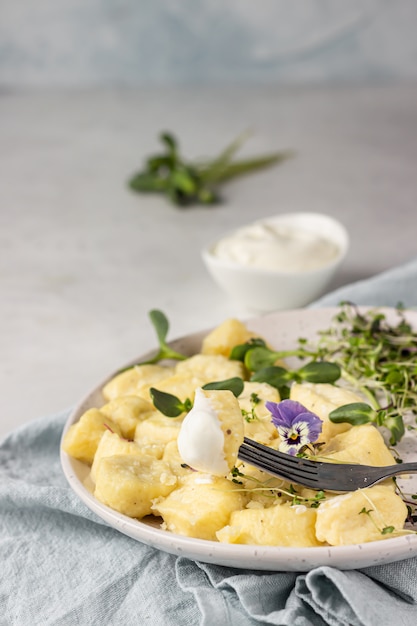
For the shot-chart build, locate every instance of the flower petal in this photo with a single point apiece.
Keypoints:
(315, 424)
(285, 412)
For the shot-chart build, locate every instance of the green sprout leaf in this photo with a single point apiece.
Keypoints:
(235, 385)
(319, 372)
(260, 357)
(239, 352)
(354, 413)
(378, 359)
(274, 375)
(161, 325)
(168, 404)
(395, 424)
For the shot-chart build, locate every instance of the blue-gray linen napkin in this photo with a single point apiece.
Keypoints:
(61, 565)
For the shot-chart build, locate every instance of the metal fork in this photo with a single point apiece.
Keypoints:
(316, 474)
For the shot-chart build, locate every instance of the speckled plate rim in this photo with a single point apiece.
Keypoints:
(281, 329)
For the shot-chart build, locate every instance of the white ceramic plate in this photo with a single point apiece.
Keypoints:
(281, 330)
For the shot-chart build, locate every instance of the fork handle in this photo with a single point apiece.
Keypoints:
(402, 468)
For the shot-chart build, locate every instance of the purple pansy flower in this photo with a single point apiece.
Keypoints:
(296, 425)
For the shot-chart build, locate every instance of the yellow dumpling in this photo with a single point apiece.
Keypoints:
(136, 381)
(361, 444)
(201, 506)
(321, 399)
(225, 337)
(82, 438)
(130, 483)
(360, 516)
(279, 525)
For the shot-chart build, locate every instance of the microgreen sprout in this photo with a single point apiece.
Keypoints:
(235, 385)
(262, 362)
(238, 353)
(250, 416)
(385, 530)
(168, 404)
(376, 358)
(161, 326)
(268, 489)
(379, 360)
(319, 496)
(235, 473)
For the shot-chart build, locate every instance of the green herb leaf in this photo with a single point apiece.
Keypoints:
(260, 357)
(239, 352)
(145, 182)
(235, 385)
(354, 413)
(169, 140)
(245, 166)
(378, 359)
(395, 424)
(161, 325)
(319, 372)
(274, 375)
(168, 404)
(186, 183)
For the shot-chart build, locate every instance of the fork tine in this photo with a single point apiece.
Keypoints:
(291, 469)
(286, 459)
(263, 464)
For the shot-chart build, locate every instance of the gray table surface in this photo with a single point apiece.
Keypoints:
(83, 260)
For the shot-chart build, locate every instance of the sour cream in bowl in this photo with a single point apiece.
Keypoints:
(281, 262)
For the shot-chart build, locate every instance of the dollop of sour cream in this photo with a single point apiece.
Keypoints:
(201, 439)
(277, 246)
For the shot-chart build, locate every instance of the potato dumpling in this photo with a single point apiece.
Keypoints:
(263, 489)
(279, 525)
(321, 399)
(256, 417)
(126, 412)
(360, 516)
(130, 483)
(172, 456)
(110, 445)
(201, 506)
(209, 368)
(225, 337)
(135, 381)
(158, 429)
(361, 444)
(182, 385)
(82, 438)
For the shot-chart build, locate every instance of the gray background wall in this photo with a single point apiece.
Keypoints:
(136, 42)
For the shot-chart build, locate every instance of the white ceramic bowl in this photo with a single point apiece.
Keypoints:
(266, 289)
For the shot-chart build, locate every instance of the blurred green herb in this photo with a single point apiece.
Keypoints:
(186, 183)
